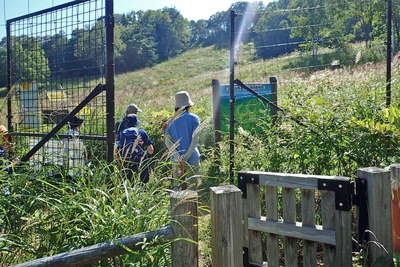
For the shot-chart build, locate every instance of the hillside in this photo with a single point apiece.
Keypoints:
(193, 71)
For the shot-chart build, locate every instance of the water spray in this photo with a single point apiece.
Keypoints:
(235, 42)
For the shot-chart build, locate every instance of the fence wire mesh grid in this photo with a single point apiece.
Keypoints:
(299, 41)
(57, 57)
(302, 39)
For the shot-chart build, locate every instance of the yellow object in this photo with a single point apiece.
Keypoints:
(26, 86)
(56, 95)
(86, 111)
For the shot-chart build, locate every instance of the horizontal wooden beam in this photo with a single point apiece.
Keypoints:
(297, 230)
(296, 181)
(92, 254)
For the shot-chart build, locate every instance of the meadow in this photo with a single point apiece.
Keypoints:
(345, 126)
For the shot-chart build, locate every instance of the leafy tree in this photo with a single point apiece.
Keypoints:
(309, 22)
(218, 30)
(198, 32)
(369, 16)
(57, 57)
(125, 20)
(140, 49)
(272, 30)
(169, 29)
(28, 60)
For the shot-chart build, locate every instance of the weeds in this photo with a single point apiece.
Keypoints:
(48, 215)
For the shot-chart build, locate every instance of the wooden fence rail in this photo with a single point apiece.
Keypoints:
(182, 233)
(95, 253)
(331, 196)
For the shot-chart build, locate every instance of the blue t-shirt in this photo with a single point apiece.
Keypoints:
(182, 130)
(126, 140)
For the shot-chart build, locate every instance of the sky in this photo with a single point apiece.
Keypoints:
(190, 9)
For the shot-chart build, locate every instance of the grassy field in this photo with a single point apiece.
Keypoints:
(193, 71)
(343, 104)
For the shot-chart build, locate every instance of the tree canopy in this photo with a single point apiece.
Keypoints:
(144, 38)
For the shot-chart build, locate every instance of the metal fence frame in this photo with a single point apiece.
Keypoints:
(107, 76)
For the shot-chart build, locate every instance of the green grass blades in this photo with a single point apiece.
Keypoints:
(44, 216)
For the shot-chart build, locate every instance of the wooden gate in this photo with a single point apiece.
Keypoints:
(295, 219)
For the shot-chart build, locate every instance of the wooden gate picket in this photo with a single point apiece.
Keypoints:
(334, 234)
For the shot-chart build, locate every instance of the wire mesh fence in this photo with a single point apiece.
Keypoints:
(302, 40)
(56, 57)
(311, 38)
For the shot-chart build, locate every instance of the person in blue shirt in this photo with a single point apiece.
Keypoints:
(182, 138)
(122, 124)
(133, 145)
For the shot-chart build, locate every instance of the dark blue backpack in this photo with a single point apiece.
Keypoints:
(127, 122)
(131, 150)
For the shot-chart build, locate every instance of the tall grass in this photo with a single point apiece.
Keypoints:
(42, 215)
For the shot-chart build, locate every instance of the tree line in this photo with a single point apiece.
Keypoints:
(144, 38)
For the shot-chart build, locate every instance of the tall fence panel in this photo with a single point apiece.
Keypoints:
(56, 57)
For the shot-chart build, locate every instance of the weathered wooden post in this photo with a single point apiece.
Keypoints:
(185, 226)
(379, 212)
(226, 219)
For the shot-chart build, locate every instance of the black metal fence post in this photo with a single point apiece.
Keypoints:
(110, 105)
(9, 109)
(389, 54)
(232, 100)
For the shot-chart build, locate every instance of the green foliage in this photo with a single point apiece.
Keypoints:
(27, 50)
(43, 216)
(346, 128)
(370, 19)
(308, 17)
(316, 24)
(266, 35)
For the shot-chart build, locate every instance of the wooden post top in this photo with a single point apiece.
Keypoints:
(223, 189)
(184, 194)
(372, 170)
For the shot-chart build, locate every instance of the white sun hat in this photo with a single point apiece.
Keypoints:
(182, 99)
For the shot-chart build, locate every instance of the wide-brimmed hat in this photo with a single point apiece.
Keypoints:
(182, 99)
(75, 121)
(132, 108)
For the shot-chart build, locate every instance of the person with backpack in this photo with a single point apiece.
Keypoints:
(123, 124)
(133, 145)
